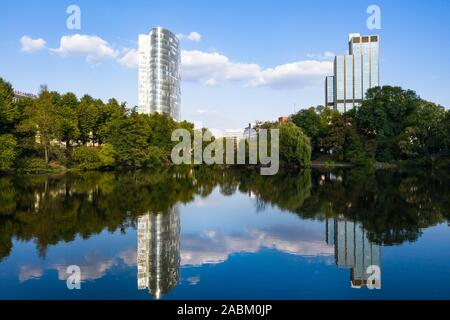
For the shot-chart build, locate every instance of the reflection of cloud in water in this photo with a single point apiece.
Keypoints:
(206, 202)
(128, 256)
(210, 246)
(93, 266)
(193, 281)
(30, 272)
(213, 246)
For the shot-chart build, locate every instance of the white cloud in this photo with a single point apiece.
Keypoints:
(31, 45)
(299, 74)
(130, 59)
(201, 111)
(193, 36)
(209, 68)
(327, 55)
(213, 68)
(211, 82)
(93, 47)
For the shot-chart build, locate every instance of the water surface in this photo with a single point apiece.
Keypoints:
(204, 234)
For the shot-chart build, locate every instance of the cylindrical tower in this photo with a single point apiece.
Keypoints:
(159, 73)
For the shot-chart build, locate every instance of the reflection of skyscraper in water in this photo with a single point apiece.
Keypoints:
(158, 252)
(353, 249)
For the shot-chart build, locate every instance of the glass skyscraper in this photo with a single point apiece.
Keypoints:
(159, 73)
(354, 73)
(329, 91)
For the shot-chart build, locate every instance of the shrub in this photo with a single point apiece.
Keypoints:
(157, 157)
(32, 165)
(86, 158)
(107, 156)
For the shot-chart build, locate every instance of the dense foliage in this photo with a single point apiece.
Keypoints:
(391, 125)
(62, 131)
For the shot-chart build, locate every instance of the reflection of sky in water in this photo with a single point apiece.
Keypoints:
(229, 250)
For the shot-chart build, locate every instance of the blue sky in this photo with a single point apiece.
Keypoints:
(250, 60)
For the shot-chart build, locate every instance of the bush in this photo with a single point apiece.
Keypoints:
(86, 158)
(32, 165)
(107, 156)
(89, 158)
(157, 157)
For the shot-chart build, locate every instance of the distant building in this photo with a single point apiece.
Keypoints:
(18, 95)
(353, 250)
(252, 130)
(158, 252)
(159, 73)
(354, 73)
(283, 119)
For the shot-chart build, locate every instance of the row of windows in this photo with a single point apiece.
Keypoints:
(355, 74)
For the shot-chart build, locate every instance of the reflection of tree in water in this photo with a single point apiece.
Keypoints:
(158, 252)
(286, 191)
(393, 206)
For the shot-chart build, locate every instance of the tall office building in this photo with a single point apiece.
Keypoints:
(329, 91)
(354, 73)
(159, 73)
(353, 249)
(158, 252)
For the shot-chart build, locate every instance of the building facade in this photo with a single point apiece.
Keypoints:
(354, 73)
(158, 252)
(19, 95)
(329, 91)
(159, 73)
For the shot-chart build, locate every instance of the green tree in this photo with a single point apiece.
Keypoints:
(8, 152)
(161, 128)
(107, 155)
(130, 138)
(39, 121)
(9, 112)
(446, 126)
(384, 116)
(87, 114)
(107, 113)
(295, 146)
(344, 142)
(428, 124)
(315, 123)
(67, 121)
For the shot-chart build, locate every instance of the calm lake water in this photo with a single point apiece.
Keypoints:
(204, 234)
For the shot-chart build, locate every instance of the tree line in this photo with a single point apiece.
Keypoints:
(58, 131)
(392, 125)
